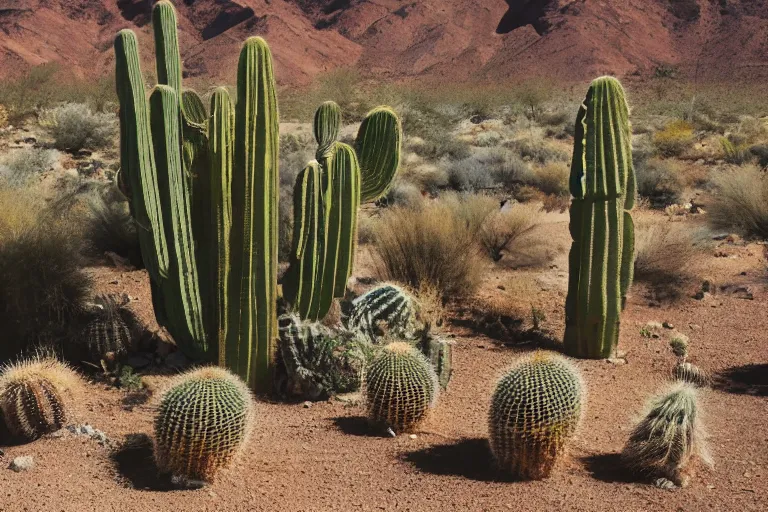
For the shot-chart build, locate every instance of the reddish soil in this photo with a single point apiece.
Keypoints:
(326, 458)
(434, 40)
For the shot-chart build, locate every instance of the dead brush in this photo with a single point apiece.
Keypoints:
(503, 228)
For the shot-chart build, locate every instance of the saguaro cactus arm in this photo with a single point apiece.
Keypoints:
(378, 149)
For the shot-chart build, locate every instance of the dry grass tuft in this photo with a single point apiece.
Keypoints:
(742, 202)
(676, 137)
(668, 252)
(503, 228)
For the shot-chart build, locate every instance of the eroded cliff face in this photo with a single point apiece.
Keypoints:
(457, 40)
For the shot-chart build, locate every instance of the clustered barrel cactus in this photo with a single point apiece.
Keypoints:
(202, 424)
(386, 309)
(602, 254)
(535, 410)
(400, 387)
(36, 396)
(326, 198)
(669, 438)
(204, 189)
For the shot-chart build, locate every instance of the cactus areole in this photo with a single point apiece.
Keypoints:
(602, 254)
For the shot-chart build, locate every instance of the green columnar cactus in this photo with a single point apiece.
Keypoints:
(378, 148)
(202, 424)
(387, 309)
(252, 324)
(36, 396)
(602, 254)
(317, 361)
(204, 191)
(326, 126)
(439, 352)
(669, 438)
(535, 410)
(302, 282)
(221, 136)
(400, 387)
(108, 335)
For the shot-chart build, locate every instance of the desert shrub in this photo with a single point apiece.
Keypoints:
(557, 118)
(75, 126)
(668, 252)
(741, 202)
(43, 288)
(428, 246)
(488, 139)
(403, 193)
(752, 129)
(532, 96)
(553, 179)
(659, 181)
(761, 152)
(429, 177)
(469, 175)
(22, 165)
(502, 228)
(737, 154)
(366, 228)
(512, 171)
(471, 209)
(446, 146)
(536, 149)
(110, 227)
(674, 139)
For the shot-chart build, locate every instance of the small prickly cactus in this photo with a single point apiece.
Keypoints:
(36, 396)
(202, 423)
(669, 437)
(387, 309)
(318, 361)
(400, 387)
(108, 336)
(690, 373)
(439, 352)
(535, 410)
(679, 346)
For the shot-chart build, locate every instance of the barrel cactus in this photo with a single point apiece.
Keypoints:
(669, 438)
(535, 410)
(204, 186)
(319, 361)
(400, 387)
(603, 187)
(386, 309)
(203, 422)
(37, 396)
(109, 334)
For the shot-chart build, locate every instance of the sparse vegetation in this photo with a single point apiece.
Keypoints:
(659, 181)
(74, 127)
(741, 202)
(674, 139)
(18, 168)
(667, 252)
(501, 229)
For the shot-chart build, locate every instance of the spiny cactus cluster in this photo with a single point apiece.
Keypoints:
(535, 410)
(603, 187)
(36, 396)
(204, 185)
(319, 361)
(669, 437)
(690, 373)
(386, 309)
(202, 424)
(108, 335)
(327, 196)
(400, 387)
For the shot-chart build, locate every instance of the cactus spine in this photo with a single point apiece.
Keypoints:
(204, 194)
(669, 437)
(400, 387)
(602, 254)
(36, 396)
(535, 410)
(202, 424)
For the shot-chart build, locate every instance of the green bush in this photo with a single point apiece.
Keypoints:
(676, 137)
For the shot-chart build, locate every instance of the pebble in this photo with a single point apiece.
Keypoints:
(307, 404)
(667, 325)
(23, 463)
(413, 436)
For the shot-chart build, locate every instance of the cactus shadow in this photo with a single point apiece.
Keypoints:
(469, 458)
(135, 463)
(608, 467)
(749, 379)
(357, 426)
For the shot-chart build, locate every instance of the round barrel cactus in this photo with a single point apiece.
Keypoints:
(36, 396)
(400, 387)
(108, 335)
(535, 410)
(690, 373)
(386, 309)
(202, 424)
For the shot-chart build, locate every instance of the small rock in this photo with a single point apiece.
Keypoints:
(413, 436)
(617, 360)
(58, 434)
(114, 282)
(391, 433)
(87, 430)
(667, 325)
(501, 287)
(23, 463)
(694, 327)
(307, 404)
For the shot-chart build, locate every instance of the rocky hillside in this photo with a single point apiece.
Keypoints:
(455, 40)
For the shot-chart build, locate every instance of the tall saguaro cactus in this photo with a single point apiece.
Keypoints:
(204, 191)
(602, 254)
